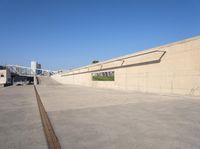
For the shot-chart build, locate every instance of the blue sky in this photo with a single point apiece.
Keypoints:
(72, 33)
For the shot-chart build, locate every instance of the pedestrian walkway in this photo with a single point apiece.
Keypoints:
(93, 118)
(20, 124)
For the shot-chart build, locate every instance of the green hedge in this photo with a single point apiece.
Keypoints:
(103, 78)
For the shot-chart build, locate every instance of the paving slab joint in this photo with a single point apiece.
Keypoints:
(52, 140)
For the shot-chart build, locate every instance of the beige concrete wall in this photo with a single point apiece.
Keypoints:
(173, 68)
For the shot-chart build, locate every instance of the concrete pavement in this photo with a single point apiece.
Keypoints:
(90, 118)
(20, 124)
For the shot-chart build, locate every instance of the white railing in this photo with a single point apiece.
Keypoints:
(28, 71)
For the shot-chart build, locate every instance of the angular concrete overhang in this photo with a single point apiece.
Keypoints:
(146, 57)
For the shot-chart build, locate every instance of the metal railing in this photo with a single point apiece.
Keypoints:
(28, 71)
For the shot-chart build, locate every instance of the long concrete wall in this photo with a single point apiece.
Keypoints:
(172, 68)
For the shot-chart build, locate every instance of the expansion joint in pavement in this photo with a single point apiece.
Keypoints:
(52, 140)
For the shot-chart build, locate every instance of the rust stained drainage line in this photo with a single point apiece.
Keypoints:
(52, 140)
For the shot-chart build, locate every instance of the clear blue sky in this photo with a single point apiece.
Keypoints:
(72, 33)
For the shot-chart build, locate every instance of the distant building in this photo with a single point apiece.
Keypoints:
(35, 66)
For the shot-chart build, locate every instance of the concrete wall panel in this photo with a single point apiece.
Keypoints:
(177, 71)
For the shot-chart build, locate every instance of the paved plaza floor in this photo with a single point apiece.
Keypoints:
(20, 124)
(93, 118)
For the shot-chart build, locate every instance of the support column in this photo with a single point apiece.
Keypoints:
(35, 79)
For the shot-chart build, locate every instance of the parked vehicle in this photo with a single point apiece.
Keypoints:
(5, 76)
